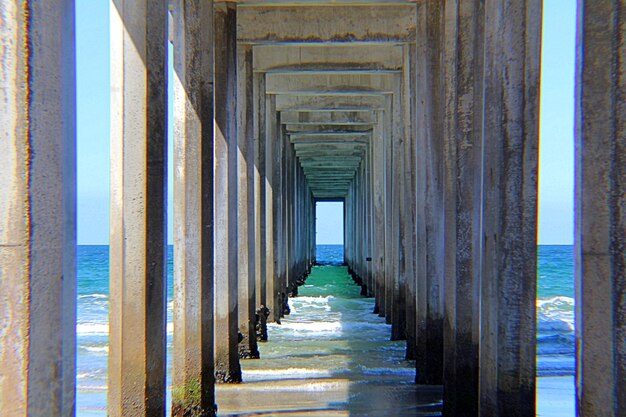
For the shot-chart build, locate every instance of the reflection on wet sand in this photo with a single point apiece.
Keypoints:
(330, 357)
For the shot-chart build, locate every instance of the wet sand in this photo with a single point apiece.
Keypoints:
(330, 357)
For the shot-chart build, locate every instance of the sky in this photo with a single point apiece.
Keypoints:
(556, 178)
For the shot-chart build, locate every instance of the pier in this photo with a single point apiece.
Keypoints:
(420, 116)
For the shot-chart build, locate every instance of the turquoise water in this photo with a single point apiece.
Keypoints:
(555, 315)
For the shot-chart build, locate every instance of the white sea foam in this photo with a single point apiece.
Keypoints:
(312, 327)
(312, 300)
(96, 349)
(555, 315)
(80, 297)
(293, 372)
(87, 388)
(100, 329)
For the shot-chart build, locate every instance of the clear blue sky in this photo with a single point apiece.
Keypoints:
(556, 149)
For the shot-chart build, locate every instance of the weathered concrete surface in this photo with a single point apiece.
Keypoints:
(245, 205)
(272, 147)
(336, 56)
(378, 173)
(193, 377)
(429, 333)
(600, 231)
(508, 288)
(138, 208)
(410, 201)
(225, 173)
(463, 88)
(37, 209)
(322, 24)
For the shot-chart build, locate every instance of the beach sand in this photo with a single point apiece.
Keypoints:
(556, 396)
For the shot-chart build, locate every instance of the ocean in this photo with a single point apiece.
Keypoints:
(555, 319)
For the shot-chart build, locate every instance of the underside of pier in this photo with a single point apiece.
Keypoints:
(420, 116)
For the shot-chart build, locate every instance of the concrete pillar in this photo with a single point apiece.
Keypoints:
(138, 252)
(281, 222)
(508, 287)
(193, 377)
(273, 159)
(388, 199)
(398, 278)
(409, 197)
(245, 205)
(227, 368)
(369, 219)
(463, 82)
(261, 184)
(429, 269)
(37, 209)
(378, 174)
(600, 201)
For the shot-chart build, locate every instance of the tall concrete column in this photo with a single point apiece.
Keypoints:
(37, 209)
(260, 196)
(463, 88)
(429, 269)
(193, 379)
(398, 278)
(245, 204)
(508, 287)
(273, 157)
(409, 197)
(388, 199)
(378, 186)
(600, 231)
(227, 368)
(138, 252)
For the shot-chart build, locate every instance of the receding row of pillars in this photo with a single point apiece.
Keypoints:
(440, 217)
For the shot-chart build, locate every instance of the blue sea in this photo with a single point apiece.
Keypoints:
(555, 316)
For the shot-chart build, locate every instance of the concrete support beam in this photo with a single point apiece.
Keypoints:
(227, 368)
(284, 57)
(193, 379)
(340, 81)
(320, 102)
(508, 287)
(37, 209)
(365, 118)
(245, 205)
(138, 251)
(344, 23)
(429, 332)
(600, 231)
(463, 90)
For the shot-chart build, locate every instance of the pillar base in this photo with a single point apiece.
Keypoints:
(261, 323)
(245, 351)
(227, 377)
(180, 409)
